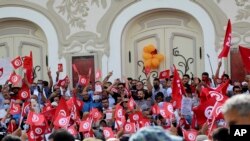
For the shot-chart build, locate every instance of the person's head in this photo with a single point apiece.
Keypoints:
(225, 77)
(156, 83)
(118, 99)
(121, 86)
(205, 76)
(85, 96)
(133, 84)
(236, 110)
(244, 86)
(236, 90)
(51, 136)
(159, 97)
(221, 134)
(11, 138)
(139, 85)
(103, 123)
(140, 94)
(153, 133)
(185, 79)
(105, 103)
(63, 135)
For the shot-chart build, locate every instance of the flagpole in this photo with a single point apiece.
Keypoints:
(211, 67)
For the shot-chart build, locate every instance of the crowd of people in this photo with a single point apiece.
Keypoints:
(173, 108)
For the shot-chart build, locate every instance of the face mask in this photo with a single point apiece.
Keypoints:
(134, 87)
(156, 87)
(6, 106)
(96, 97)
(25, 127)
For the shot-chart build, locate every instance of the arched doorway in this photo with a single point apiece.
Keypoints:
(18, 37)
(175, 34)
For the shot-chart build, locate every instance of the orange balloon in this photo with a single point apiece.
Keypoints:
(146, 56)
(151, 48)
(148, 63)
(160, 57)
(155, 63)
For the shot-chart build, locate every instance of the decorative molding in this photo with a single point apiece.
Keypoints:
(243, 13)
(5, 44)
(218, 17)
(114, 10)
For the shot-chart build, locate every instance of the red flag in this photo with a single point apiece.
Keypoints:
(147, 70)
(15, 78)
(177, 90)
(227, 41)
(108, 133)
(33, 137)
(245, 56)
(83, 80)
(164, 74)
(131, 103)
(25, 108)
(72, 130)
(24, 93)
(119, 112)
(15, 108)
(35, 119)
(129, 128)
(1, 72)
(204, 111)
(49, 114)
(62, 82)
(75, 68)
(98, 74)
(96, 114)
(216, 109)
(85, 126)
(136, 116)
(89, 134)
(62, 108)
(155, 109)
(17, 62)
(166, 109)
(189, 135)
(144, 122)
(39, 130)
(28, 66)
(60, 67)
(61, 121)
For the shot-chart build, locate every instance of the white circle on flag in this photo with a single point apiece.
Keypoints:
(14, 79)
(83, 80)
(106, 133)
(128, 127)
(63, 121)
(24, 94)
(119, 113)
(38, 130)
(218, 96)
(35, 118)
(17, 62)
(191, 137)
(208, 112)
(170, 108)
(136, 117)
(86, 125)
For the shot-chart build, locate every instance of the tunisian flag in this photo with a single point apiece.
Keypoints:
(189, 135)
(28, 66)
(245, 56)
(227, 41)
(177, 90)
(17, 62)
